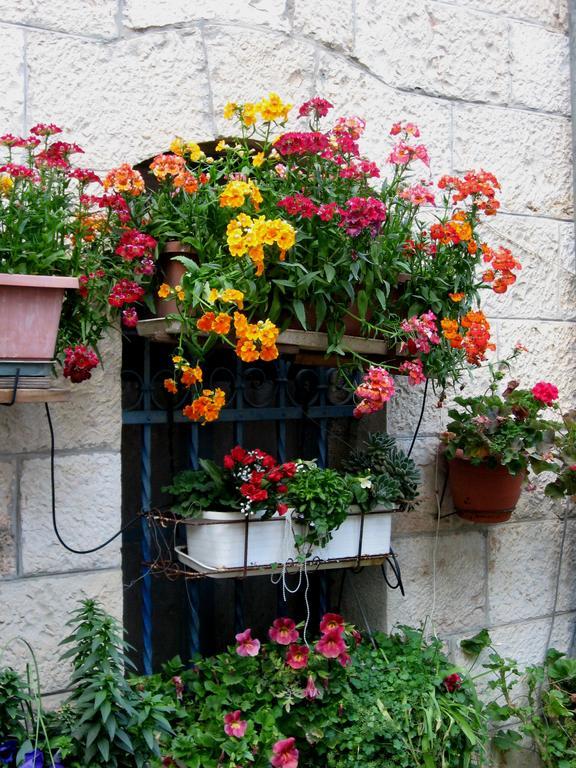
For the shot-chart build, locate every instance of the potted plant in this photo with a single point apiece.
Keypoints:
(58, 230)
(299, 224)
(491, 442)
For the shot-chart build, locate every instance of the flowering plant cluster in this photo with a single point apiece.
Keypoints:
(308, 232)
(250, 481)
(57, 219)
(508, 429)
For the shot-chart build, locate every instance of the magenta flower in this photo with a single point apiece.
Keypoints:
(247, 645)
(285, 754)
(317, 105)
(311, 692)
(452, 682)
(283, 632)
(297, 656)
(545, 392)
(331, 645)
(345, 659)
(234, 726)
(414, 370)
(331, 621)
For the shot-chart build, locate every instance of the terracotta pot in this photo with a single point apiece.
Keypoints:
(171, 272)
(30, 307)
(483, 494)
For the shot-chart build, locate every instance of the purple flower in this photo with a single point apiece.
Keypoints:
(8, 750)
(34, 759)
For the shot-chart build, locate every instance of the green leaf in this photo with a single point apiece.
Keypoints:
(330, 272)
(300, 312)
(475, 645)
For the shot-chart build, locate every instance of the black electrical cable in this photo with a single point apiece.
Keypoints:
(53, 483)
(420, 419)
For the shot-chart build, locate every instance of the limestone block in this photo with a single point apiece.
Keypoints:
(92, 417)
(88, 497)
(328, 21)
(12, 78)
(7, 501)
(567, 273)
(36, 610)
(540, 68)
(412, 45)
(353, 91)
(451, 599)
(246, 64)
(529, 153)
(551, 356)
(535, 243)
(405, 407)
(522, 567)
(95, 18)
(139, 14)
(123, 101)
(547, 12)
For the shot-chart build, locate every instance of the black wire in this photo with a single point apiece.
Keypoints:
(421, 417)
(53, 483)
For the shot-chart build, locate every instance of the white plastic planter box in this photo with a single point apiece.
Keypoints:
(216, 542)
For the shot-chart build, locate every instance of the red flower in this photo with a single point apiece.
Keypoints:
(452, 682)
(316, 105)
(234, 726)
(247, 645)
(545, 392)
(311, 692)
(285, 754)
(363, 213)
(45, 129)
(345, 659)
(299, 205)
(297, 656)
(331, 645)
(330, 622)
(282, 509)
(283, 631)
(179, 686)
(253, 493)
(130, 317)
(78, 363)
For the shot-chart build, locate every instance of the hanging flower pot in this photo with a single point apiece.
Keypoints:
(30, 307)
(483, 493)
(172, 271)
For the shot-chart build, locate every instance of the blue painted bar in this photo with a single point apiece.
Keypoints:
(146, 546)
(289, 413)
(192, 585)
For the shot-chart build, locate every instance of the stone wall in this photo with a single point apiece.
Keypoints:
(487, 82)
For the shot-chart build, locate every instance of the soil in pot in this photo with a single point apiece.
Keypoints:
(171, 271)
(481, 493)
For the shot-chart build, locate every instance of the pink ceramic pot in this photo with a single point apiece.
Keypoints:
(30, 307)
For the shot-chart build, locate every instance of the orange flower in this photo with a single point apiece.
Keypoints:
(170, 386)
(191, 376)
(207, 407)
(457, 296)
(221, 324)
(124, 179)
(186, 181)
(167, 165)
(246, 350)
(164, 291)
(206, 322)
(269, 353)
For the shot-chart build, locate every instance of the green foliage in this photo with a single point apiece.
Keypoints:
(196, 490)
(388, 466)
(14, 704)
(320, 499)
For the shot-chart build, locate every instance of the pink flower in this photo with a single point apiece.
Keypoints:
(404, 153)
(45, 129)
(452, 682)
(414, 370)
(331, 645)
(283, 631)
(317, 105)
(299, 205)
(349, 126)
(297, 656)
(331, 622)
(130, 317)
(423, 331)
(247, 645)
(234, 726)
(545, 392)
(344, 659)
(409, 128)
(179, 687)
(363, 213)
(78, 363)
(417, 195)
(285, 754)
(311, 692)
(301, 143)
(376, 388)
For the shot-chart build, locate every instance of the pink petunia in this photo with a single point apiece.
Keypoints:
(247, 645)
(234, 725)
(283, 631)
(330, 622)
(297, 656)
(331, 645)
(285, 754)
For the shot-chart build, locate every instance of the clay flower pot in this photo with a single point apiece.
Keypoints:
(171, 272)
(481, 493)
(30, 307)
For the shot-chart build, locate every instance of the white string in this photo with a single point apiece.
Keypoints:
(436, 538)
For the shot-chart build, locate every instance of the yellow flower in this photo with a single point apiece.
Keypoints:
(164, 291)
(213, 295)
(229, 110)
(177, 359)
(272, 108)
(233, 296)
(249, 113)
(177, 146)
(6, 185)
(194, 151)
(258, 159)
(235, 192)
(221, 146)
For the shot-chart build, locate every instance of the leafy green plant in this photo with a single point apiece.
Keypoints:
(389, 468)
(561, 460)
(111, 723)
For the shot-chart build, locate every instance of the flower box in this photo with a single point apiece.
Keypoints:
(216, 543)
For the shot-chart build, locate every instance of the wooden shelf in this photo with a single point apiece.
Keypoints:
(291, 341)
(29, 395)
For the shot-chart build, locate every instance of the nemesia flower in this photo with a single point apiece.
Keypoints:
(84, 176)
(311, 692)
(415, 371)
(545, 392)
(331, 645)
(207, 406)
(298, 205)
(170, 386)
(234, 725)
(285, 754)
(476, 340)
(297, 656)
(423, 333)
(404, 153)
(480, 185)
(130, 317)
(457, 297)
(363, 213)
(79, 362)
(317, 106)
(345, 659)
(247, 645)
(191, 376)
(179, 687)
(273, 108)
(135, 245)
(417, 195)
(298, 143)
(45, 129)
(125, 292)
(124, 179)
(283, 631)
(331, 622)
(376, 388)
(452, 682)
